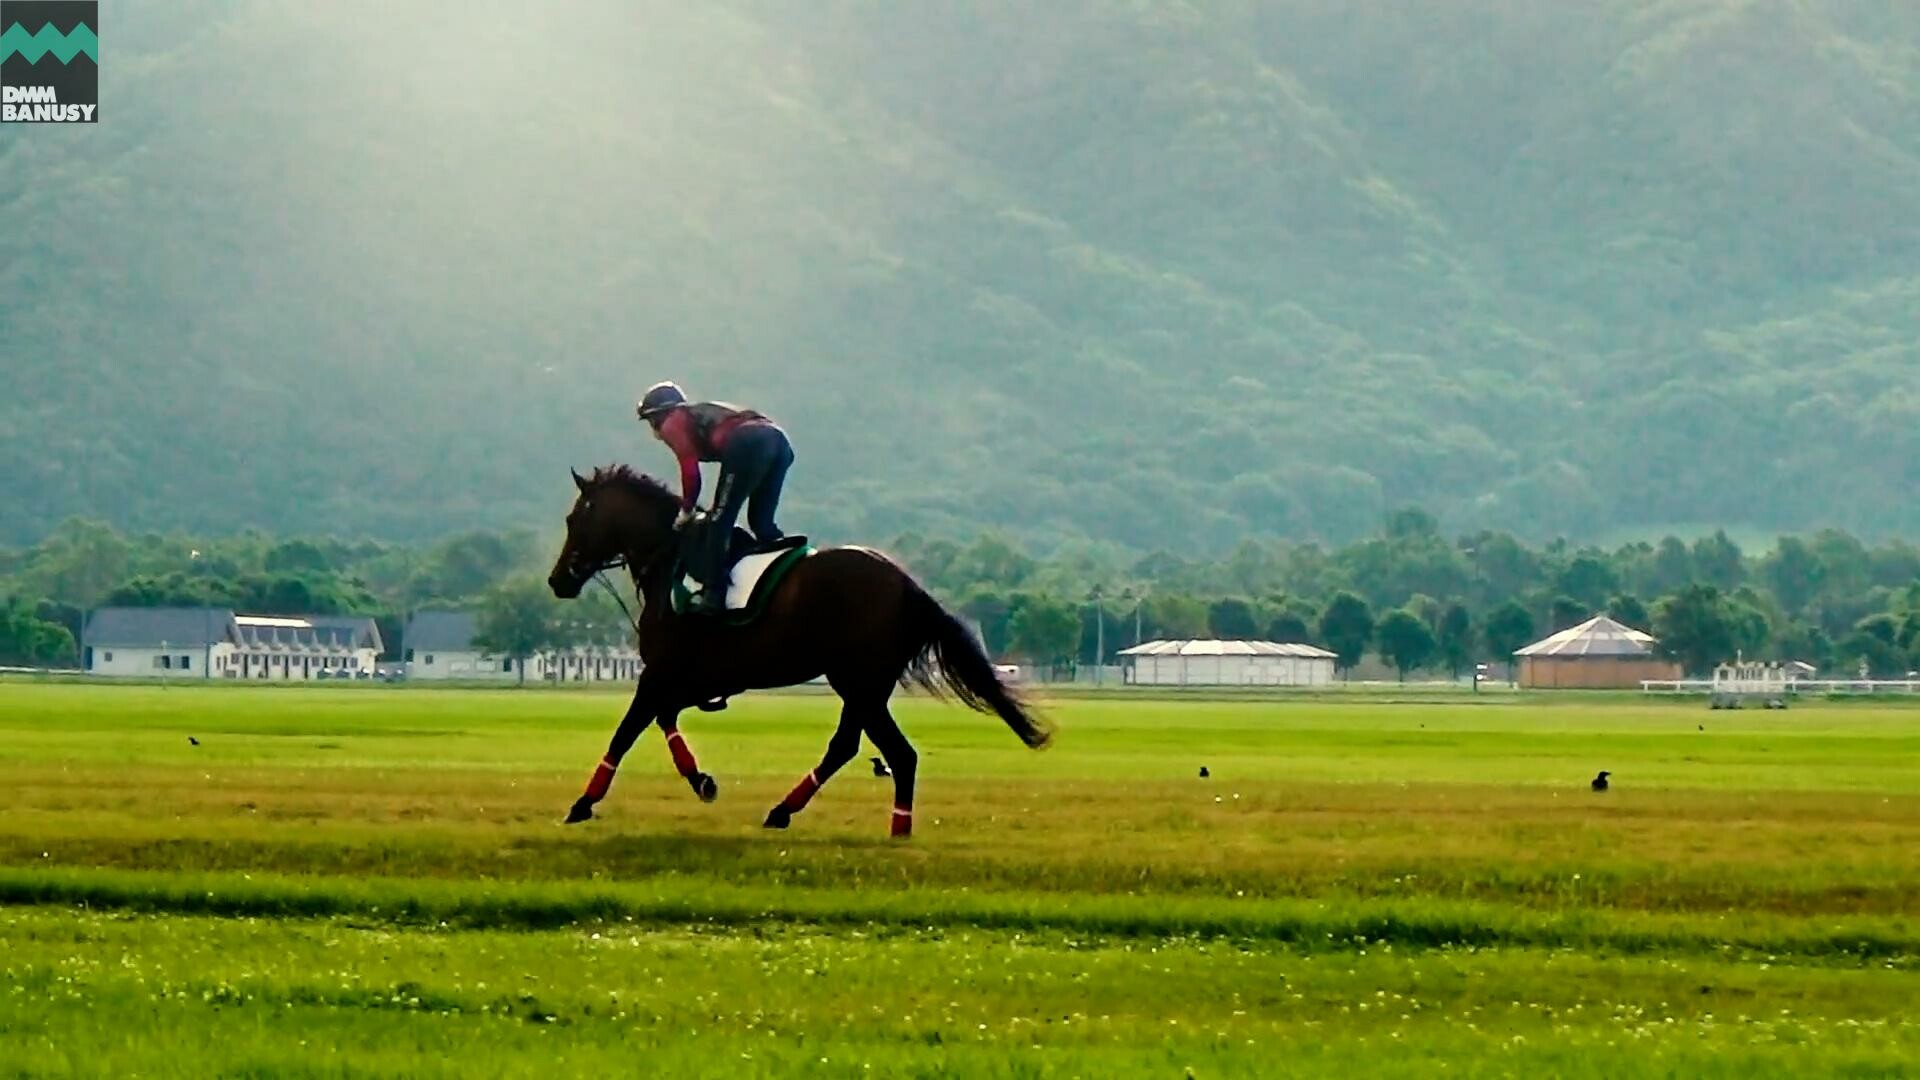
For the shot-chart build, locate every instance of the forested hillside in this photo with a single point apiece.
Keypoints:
(1165, 275)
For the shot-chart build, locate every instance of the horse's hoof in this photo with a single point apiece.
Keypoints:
(778, 818)
(705, 786)
(581, 811)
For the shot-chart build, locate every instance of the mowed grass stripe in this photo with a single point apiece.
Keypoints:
(1545, 742)
(1675, 851)
(468, 785)
(195, 996)
(1335, 923)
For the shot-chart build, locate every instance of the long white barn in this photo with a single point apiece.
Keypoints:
(439, 646)
(216, 643)
(1228, 663)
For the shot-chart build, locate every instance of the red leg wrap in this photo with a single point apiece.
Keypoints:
(902, 822)
(682, 757)
(802, 792)
(602, 780)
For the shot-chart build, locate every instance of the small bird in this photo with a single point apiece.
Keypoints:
(880, 767)
(1600, 782)
(1702, 727)
(1204, 773)
(193, 740)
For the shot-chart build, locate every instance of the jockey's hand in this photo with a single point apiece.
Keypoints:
(680, 522)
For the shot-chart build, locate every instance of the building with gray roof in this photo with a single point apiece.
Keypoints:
(442, 645)
(216, 643)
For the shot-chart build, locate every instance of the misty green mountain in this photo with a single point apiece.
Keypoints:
(1156, 273)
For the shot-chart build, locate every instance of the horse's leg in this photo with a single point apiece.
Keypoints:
(841, 749)
(639, 714)
(901, 758)
(702, 784)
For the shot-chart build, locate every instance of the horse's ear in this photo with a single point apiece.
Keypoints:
(579, 481)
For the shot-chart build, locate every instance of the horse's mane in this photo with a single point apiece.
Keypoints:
(639, 483)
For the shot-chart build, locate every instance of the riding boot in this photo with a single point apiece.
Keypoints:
(715, 575)
(712, 599)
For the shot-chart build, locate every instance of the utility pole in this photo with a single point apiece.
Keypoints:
(1139, 601)
(1099, 636)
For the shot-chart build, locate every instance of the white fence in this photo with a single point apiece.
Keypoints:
(1794, 686)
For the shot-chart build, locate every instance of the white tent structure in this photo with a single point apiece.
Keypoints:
(1228, 663)
(1596, 655)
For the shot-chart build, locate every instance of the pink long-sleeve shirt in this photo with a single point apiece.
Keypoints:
(681, 431)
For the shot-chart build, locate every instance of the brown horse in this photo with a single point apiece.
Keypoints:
(850, 614)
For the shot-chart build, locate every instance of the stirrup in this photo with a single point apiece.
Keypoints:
(787, 542)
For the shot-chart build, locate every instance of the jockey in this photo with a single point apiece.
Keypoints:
(754, 456)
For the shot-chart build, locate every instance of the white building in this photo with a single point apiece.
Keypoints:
(439, 646)
(1228, 663)
(304, 647)
(215, 643)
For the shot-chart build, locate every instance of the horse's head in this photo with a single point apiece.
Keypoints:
(619, 516)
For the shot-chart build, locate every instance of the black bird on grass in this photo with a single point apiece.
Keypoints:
(880, 767)
(1204, 773)
(193, 740)
(1600, 782)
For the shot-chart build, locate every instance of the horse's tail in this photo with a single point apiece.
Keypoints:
(950, 663)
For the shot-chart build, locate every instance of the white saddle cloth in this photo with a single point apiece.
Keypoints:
(746, 574)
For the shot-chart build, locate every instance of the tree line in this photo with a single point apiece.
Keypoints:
(1416, 599)
(1422, 601)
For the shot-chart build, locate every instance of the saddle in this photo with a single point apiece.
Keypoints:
(754, 571)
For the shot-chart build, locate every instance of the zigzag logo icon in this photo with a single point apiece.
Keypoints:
(64, 47)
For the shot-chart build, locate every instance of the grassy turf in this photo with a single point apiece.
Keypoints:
(349, 880)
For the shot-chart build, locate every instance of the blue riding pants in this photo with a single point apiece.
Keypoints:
(753, 469)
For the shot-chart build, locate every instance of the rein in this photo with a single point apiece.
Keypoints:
(600, 576)
(620, 562)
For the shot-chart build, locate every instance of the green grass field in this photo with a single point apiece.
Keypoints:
(362, 881)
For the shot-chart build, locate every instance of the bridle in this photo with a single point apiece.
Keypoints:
(624, 561)
(621, 562)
